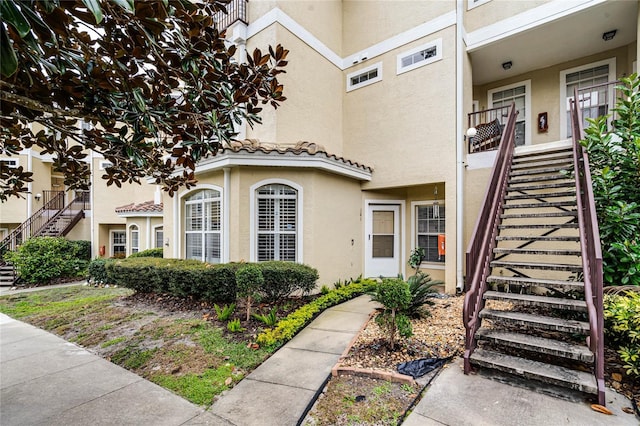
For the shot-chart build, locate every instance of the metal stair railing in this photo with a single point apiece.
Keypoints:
(483, 239)
(590, 247)
(65, 219)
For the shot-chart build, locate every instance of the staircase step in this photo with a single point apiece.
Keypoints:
(536, 344)
(541, 226)
(536, 300)
(565, 184)
(536, 265)
(544, 252)
(535, 370)
(540, 322)
(545, 178)
(567, 150)
(571, 213)
(538, 205)
(537, 238)
(539, 171)
(537, 282)
(537, 163)
(541, 196)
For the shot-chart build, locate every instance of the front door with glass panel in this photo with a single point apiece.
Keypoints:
(382, 241)
(513, 94)
(593, 102)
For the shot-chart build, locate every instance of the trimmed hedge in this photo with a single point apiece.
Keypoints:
(289, 326)
(154, 252)
(215, 283)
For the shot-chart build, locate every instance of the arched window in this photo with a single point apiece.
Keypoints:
(203, 226)
(135, 238)
(277, 222)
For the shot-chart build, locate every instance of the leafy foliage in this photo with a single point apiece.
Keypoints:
(42, 259)
(421, 288)
(224, 313)
(270, 319)
(249, 280)
(287, 327)
(97, 270)
(394, 295)
(614, 156)
(281, 279)
(234, 326)
(622, 328)
(153, 252)
(155, 80)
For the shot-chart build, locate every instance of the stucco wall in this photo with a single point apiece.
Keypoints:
(496, 10)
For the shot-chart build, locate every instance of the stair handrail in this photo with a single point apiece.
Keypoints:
(482, 243)
(33, 224)
(80, 198)
(590, 247)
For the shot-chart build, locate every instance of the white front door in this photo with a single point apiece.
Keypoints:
(382, 241)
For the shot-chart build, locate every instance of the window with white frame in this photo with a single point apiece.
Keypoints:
(159, 237)
(520, 95)
(203, 226)
(135, 238)
(430, 230)
(104, 164)
(364, 77)
(475, 3)
(419, 56)
(277, 222)
(12, 163)
(119, 243)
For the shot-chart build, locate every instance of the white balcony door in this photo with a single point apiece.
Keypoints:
(382, 241)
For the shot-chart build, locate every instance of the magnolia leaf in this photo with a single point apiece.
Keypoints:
(95, 8)
(9, 62)
(12, 15)
(125, 4)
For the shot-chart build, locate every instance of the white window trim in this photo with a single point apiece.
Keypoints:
(436, 43)
(104, 164)
(527, 104)
(376, 66)
(153, 236)
(111, 245)
(130, 232)
(12, 162)
(414, 231)
(179, 230)
(473, 4)
(563, 88)
(253, 229)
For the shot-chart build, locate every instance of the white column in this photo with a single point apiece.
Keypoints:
(226, 208)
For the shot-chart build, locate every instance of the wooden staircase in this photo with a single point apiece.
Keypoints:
(528, 313)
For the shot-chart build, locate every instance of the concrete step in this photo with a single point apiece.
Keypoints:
(538, 205)
(540, 226)
(565, 184)
(572, 213)
(543, 252)
(536, 265)
(536, 300)
(537, 238)
(536, 344)
(538, 171)
(564, 151)
(535, 370)
(545, 195)
(567, 162)
(537, 282)
(538, 322)
(545, 178)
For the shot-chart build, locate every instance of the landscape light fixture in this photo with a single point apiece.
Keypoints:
(507, 65)
(609, 35)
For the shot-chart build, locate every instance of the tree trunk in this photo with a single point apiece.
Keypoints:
(248, 307)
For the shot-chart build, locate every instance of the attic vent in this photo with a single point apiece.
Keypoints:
(364, 77)
(421, 55)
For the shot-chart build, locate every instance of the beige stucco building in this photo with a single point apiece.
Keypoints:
(368, 158)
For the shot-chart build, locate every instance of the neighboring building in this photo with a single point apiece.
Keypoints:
(367, 159)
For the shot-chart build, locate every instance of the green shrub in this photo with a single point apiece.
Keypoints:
(154, 252)
(83, 249)
(297, 320)
(394, 295)
(249, 280)
(42, 259)
(270, 319)
(97, 270)
(622, 328)
(281, 279)
(421, 288)
(225, 312)
(234, 326)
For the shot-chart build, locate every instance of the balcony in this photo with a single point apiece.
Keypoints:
(236, 11)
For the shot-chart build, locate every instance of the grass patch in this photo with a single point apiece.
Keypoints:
(113, 342)
(132, 357)
(199, 388)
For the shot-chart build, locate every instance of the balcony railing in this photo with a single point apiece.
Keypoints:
(489, 124)
(595, 101)
(236, 11)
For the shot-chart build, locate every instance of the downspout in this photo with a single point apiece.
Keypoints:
(226, 193)
(459, 143)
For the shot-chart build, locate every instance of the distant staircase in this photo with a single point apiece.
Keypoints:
(528, 312)
(54, 219)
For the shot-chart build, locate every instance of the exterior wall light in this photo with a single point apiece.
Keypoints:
(471, 132)
(609, 35)
(37, 196)
(507, 65)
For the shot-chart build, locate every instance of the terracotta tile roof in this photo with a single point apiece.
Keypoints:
(146, 207)
(300, 148)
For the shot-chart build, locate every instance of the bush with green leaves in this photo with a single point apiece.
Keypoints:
(622, 328)
(289, 326)
(249, 280)
(40, 260)
(614, 157)
(421, 287)
(97, 270)
(281, 279)
(395, 297)
(153, 252)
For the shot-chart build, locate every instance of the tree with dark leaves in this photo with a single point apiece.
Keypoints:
(151, 85)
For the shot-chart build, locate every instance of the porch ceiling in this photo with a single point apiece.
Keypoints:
(559, 40)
